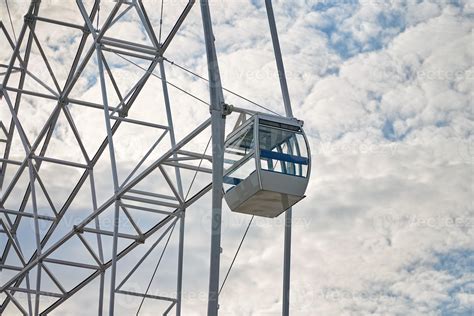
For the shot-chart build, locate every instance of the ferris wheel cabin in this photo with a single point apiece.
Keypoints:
(267, 165)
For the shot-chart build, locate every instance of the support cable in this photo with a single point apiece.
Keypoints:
(236, 253)
(161, 22)
(156, 268)
(11, 21)
(190, 186)
(225, 89)
(169, 237)
(171, 84)
(195, 74)
(98, 16)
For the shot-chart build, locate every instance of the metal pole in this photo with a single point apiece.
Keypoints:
(218, 130)
(289, 113)
(99, 245)
(179, 281)
(27, 149)
(113, 163)
(115, 181)
(279, 59)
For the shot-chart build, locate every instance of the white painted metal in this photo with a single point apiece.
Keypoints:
(127, 199)
(266, 190)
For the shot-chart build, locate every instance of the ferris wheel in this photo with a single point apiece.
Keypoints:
(52, 246)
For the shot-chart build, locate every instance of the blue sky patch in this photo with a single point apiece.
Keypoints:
(457, 263)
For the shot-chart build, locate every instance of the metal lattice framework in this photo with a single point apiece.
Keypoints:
(30, 277)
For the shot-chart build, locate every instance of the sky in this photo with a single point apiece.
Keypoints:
(385, 90)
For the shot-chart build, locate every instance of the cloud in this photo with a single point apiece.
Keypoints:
(385, 90)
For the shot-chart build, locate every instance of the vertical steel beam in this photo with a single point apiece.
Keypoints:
(179, 281)
(32, 11)
(27, 148)
(113, 272)
(99, 242)
(279, 59)
(289, 113)
(113, 163)
(218, 129)
(47, 128)
(169, 117)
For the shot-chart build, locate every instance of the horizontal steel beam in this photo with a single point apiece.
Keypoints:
(9, 267)
(109, 233)
(156, 297)
(43, 293)
(129, 46)
(186, 166)
(157, 195)
(24, 214)
(127, 53)
(61, 162)
(195, 155)
(149, 201)
(13, 162)
(72, 264)
(147, 209)
(138, 122)
(62, 23)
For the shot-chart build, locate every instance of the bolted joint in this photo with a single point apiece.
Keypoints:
(86, 30)
(123, 113)
(227, 109)
(78, 230)
(29, 19)
(140, 239)
(102, 268)
(182, 214)
(63, 102)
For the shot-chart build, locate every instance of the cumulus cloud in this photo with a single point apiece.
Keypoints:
(385, 90)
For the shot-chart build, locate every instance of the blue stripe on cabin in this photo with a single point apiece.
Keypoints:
(283, 157)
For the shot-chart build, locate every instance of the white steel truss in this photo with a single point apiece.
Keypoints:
(30, 276)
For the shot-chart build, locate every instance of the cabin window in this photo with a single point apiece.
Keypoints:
(239, 158)
(283, 151)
